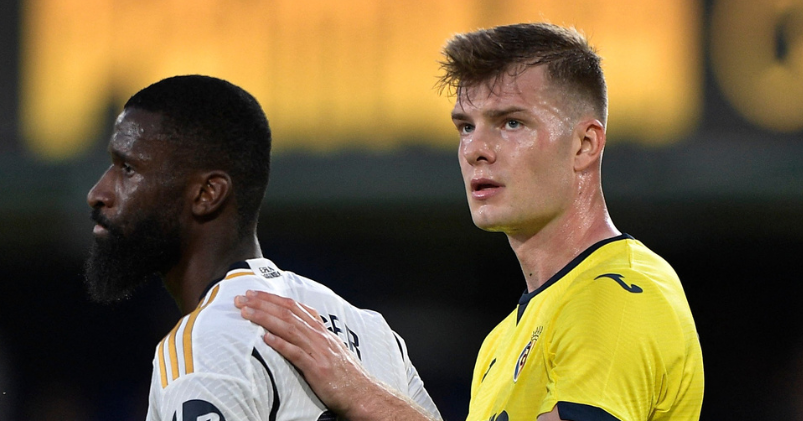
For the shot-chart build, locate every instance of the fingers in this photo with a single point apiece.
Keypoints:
(295, 354)
(313, 313)
(293, 330)
(260, 301)
(279, 315)
(297, 332)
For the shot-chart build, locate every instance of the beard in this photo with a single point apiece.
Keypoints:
(125, 260)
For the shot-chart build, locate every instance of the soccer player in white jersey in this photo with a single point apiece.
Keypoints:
(190, 164)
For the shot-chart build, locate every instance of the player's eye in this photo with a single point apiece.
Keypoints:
(512, 124)
(465, 128)
(127, 169)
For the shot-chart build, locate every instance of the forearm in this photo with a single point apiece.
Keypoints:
(378, 402)
(332, 371)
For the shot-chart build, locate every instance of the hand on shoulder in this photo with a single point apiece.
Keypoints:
(297, 333)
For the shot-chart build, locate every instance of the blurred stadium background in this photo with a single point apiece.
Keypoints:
(704, 164)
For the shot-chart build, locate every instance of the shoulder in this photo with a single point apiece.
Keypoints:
(501, 329)
(213, 338)
(365, 332)
(495, 340)
(625, 284)
(625, 271)
(314, 294)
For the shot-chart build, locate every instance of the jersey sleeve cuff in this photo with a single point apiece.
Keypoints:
(580, 412)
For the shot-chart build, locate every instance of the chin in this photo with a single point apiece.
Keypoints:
(485, 223)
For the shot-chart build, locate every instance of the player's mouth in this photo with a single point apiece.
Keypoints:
(99, 230)
(483, 188)
(101, 223)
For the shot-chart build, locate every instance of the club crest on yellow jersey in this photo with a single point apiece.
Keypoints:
(526, 352)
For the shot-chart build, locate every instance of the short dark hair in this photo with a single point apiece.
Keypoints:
(485, 55)
(215, 125)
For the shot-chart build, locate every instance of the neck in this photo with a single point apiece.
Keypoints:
(206, 259)
(542, 254)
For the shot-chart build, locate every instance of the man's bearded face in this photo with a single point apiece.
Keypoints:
(131, 255)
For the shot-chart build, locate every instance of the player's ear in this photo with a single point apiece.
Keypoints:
(591, 141)
(210, 193)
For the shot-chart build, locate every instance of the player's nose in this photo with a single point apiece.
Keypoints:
(100, 195)
(478, 148)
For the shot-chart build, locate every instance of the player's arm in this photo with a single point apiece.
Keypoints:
(297, 332)
(202, 396)
(189, 382)
(551, 416)
(604, 338)
(415, 385)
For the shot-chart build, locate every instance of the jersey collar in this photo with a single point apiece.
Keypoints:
(527, 296)
(237, 265)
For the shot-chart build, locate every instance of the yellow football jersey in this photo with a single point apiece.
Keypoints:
(610, 336)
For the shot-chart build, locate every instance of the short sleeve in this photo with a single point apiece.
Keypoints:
(212, 396)
(415, 386)
(207, 396)
(602, 351)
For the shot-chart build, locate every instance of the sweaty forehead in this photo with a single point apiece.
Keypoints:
(508, 89)
(133, 128)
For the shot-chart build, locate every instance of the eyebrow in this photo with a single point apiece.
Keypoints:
(459, 116)
(123, 156)
(492, 114)
(116, 155)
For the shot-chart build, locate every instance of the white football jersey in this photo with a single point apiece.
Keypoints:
(214, 365)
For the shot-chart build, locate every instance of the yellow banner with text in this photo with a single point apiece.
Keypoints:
(350, 74)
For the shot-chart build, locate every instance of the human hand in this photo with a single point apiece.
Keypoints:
(297, 333)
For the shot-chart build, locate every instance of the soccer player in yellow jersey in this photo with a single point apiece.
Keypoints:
(603, 331)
